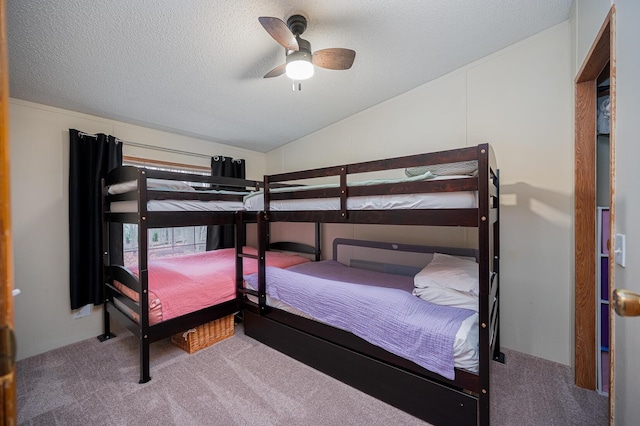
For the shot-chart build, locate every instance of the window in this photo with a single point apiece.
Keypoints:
(164, 242)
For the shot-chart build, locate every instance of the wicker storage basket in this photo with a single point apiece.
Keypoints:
(204, 335)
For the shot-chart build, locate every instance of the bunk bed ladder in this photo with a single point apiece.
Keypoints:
(497, 354)
(264, 245)
(240, 235)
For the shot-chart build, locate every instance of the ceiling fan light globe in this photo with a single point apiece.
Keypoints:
(299, 70)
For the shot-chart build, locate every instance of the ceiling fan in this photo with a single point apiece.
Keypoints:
(300, 61)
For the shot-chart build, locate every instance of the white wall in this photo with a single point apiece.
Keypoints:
(520, 101)
(39, 197)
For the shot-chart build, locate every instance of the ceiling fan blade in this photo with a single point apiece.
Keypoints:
(280, 32)
(277, 71)
(334, 59)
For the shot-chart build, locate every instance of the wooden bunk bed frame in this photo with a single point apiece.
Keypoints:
(465, 400)
(146, 220)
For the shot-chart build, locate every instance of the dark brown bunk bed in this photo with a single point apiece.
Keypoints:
(124, 309)
(463, 400)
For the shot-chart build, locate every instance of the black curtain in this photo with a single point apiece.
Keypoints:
(222, 236)
(90, 159)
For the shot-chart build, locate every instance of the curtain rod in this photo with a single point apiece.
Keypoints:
(156, 148)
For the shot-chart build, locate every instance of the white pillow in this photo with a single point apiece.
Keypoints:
(447, 297)
(450, 272)
(448, 169)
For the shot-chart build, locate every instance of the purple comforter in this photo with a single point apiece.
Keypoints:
(391, 318)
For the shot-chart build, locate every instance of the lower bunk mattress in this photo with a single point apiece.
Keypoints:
(182, 284)
(379, 308)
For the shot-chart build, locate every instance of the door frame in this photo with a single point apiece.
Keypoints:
(602, 52)
(8, 412)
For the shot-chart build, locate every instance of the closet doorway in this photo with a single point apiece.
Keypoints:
(603, 227)
(598, 65)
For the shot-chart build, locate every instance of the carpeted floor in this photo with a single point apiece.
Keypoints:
(532, 391)
(240, 381)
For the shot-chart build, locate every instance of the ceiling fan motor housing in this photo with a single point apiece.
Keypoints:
(303, 53)
(297, 24)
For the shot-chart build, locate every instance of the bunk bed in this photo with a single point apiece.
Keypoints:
(464, 396)
(135, 295)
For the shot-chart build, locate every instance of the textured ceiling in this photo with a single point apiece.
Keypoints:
(195, 67)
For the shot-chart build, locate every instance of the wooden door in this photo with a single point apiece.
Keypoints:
(7, 344)
(626, 388)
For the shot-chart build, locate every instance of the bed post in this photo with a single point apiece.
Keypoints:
(318, 253)
(489, 251)
(105, 262)
(143, 272)
(240, 236)
(263, 225)
(484, 265)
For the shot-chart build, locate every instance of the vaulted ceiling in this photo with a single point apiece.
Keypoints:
(195, 67)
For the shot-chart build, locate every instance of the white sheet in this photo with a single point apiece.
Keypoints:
(438, 200)
(453, 200)
(131, 206)
(178, 205)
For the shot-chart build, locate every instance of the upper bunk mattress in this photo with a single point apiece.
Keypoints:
(131, 206)
(439, 200)
(178, 206)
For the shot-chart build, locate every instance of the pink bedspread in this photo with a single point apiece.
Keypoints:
(182, 284)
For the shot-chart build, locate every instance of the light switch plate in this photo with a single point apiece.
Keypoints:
(620, 249)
